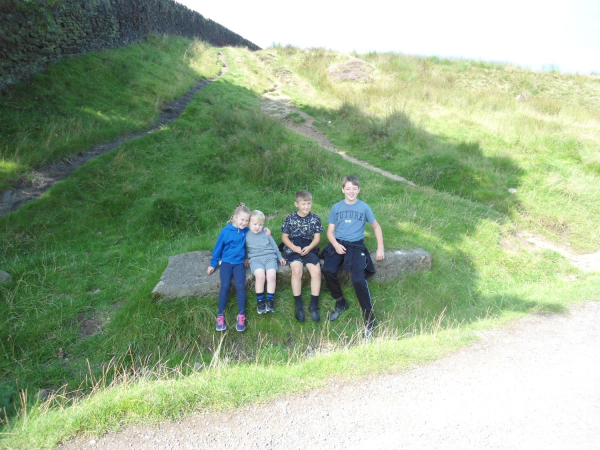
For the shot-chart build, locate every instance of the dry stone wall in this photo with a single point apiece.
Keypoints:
(35, 34)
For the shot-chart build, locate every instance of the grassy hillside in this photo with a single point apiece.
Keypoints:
(95, 98)
(91, 250)
(468, 128)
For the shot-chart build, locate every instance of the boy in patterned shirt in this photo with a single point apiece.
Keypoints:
(301, 234)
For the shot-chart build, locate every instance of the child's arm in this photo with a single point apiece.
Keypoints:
(247, 253)
(285, 238)
(339, 248)
(379, 237)
(276, 250)
(216, 254)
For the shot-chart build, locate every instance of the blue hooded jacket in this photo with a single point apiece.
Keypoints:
(230, 246)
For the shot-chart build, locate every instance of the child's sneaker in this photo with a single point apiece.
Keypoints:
(221, 323)
(262, 308)
(270, 306)
(314, 313)
(339, 309)
(241, 322)
(299, 312)
(369, 328)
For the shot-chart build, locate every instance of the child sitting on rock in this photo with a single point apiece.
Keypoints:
(264, 258)
(301, 234)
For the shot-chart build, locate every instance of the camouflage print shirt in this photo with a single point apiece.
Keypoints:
(301, 230)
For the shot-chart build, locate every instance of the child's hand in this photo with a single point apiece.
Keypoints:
(297, 249)
(247, 263)
(267, 231)
(340, 249)
(210, 270)
(380, 255)
(304, 251)
(282, 262)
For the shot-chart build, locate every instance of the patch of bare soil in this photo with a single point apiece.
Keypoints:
(33, 184)
(88, 326)
(589, 262)
(530, 385)
(355, 70)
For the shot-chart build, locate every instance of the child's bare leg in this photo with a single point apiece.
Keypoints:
(259, 285)
(315, 288)
(296, 278)
(271, 281)
(315, 278)
(297, 270)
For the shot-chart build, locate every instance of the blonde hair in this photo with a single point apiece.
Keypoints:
(260, 217)
(240, 208)
(350, 179)
(303, 196)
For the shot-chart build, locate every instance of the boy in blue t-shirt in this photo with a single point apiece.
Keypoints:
(346, 249)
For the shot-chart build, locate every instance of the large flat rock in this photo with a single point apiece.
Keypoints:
(185, 275)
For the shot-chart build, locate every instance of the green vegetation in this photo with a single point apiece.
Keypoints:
(92, 249)
(468, 128)
(95, 98)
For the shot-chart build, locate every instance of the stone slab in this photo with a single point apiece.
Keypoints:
(185, 275)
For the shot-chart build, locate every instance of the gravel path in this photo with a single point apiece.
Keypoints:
(534, 384)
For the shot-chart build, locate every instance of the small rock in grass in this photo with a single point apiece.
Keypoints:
(512, 191)
(43, 394)
(5, 277)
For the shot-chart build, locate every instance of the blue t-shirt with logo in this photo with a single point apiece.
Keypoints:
(350, 220)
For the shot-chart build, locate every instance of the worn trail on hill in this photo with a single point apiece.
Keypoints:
(276, 104)
(35, 183)
(280, 106)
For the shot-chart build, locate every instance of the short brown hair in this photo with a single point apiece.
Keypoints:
(350, 179)
(303, 196)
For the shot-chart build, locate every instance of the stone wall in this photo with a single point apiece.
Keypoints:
(35, 34)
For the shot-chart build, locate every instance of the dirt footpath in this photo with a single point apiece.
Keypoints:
(535, 384)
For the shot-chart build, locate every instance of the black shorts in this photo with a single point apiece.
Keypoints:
(310, 258)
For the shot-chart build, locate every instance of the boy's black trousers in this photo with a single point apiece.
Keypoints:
(333, 263)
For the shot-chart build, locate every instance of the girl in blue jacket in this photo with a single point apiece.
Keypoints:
(230, 250)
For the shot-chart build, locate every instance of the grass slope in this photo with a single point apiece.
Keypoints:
(95, 98)
(95, 245)
(468, 128)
